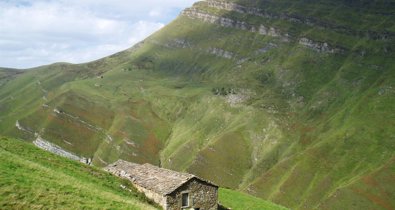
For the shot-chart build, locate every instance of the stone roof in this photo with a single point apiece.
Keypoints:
(159, 180)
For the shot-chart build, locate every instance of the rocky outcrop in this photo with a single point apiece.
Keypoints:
(318, 46)
(53, 148)
(310, 21)
(222, 5)
(270, 31)
(181, 43)
(261, 29)
(221, 53)
(45, 145)
(176, 43)
(237, 8)
(234, 97)
(17, 125)
(21, 128)
(236, 24)
(223, 21)
(235, 100)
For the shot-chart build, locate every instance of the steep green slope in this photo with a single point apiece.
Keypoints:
(240, 201)
(291, 101)
(34, 179)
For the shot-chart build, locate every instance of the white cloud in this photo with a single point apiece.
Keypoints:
(155, 12)
(45, 31)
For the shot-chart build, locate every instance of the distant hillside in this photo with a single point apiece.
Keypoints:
(7, 74)
(290, 101)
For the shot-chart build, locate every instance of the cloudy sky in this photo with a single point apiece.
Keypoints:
(38, 32)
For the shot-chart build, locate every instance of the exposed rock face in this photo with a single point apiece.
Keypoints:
(261, 29)
(317, 46)
(221, 53)
(321, 47)
(235, 99)
(374, 35)
(230, 23)
(45, 145)
(18, 125)
(223, 21)
(232, 7)
(257, 12)
(176, 43)
(180, 43)
(53, 148)
(270, 32)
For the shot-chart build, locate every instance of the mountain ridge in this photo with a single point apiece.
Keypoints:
(303, 100)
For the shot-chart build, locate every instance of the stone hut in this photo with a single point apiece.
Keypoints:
(170, 189)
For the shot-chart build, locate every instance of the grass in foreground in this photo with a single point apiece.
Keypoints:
(240, 201)
(34, 179)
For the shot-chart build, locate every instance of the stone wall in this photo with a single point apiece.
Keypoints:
(201, 195)
(157, 198)
(166, 187)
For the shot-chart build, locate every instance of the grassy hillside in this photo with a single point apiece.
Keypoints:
(34, 179)
(7, 75)
(240, 201)
(291, 101)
